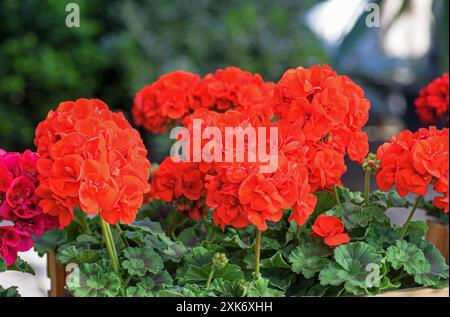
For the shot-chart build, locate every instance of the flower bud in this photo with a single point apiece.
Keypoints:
(219, 260)
(371, 163)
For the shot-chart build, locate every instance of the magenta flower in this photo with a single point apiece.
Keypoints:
(20, 205)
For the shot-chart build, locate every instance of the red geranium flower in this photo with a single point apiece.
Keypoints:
(432, 103)
(412, 161)
(91, 158)
(331, 230)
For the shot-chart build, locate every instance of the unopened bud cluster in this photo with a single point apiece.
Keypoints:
(219, 260)
(372, 163)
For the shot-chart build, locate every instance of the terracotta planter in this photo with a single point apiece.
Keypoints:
(438, 235)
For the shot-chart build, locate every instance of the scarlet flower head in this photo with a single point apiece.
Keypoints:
(178, 94)
(331, 230)
(327, 107)
(92, 158)
(19, 204)
(413, 161)
(432, 102)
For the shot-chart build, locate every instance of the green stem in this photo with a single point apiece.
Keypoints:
(336, 195)
(257, 252)
(173, 225)
(297, 234)
(366, 187)
(210, 276)
(411, 214)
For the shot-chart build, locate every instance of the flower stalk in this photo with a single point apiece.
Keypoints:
(366, 187)
(371, 165)
(110, 246)
(257, 252)
(336, 195)
(411, 214)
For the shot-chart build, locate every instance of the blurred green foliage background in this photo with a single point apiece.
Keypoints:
(123, 45)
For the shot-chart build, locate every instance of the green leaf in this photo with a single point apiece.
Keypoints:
(389, 199)
(188, 237)
(416, 229)
(353, 265)
(279, 278)
(231, 272)
(176, 291)
(347, 196)
(381, 236)
(93, 281)
(325, 201)
(49, 241)
(21, 266)
(162, 279)
(139, 261)
(275, 261)
(88, 238)
(174, 252)
(309, 258)
(438, 268)
(9, 292)
(3, 266)
(142, 289)
(317, 290)
(72, 254)
(407, 256)
(227, 288)
(234, 242)
(260, 288)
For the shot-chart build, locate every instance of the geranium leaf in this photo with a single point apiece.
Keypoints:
(416, 229)
(407, 256)
(88, 238)
(227, 288)
(275, 261)
(354, 263)
(9, 292)
(21, 266)
(142, 289)
(381, 236)
(231, 272)
(325, 201)
(438, 268)
(72, 254)
(93, 281)
(49, 241)
(260, 288)
(309, 258)
(174, 252)
(139, 261)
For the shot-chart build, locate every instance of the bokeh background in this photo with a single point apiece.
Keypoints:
(122, 45)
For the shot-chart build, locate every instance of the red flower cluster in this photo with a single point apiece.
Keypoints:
(19, 205)
(432, 103)
(178, 94)
(326, 106)
(181, 184)
(412, 161)
(331, 230)
(91, 158)
(238, 190)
